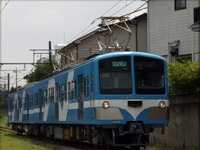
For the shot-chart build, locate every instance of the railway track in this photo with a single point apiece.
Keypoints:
(58, 144)
(6, 129)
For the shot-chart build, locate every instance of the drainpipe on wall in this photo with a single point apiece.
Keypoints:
(136, 33)
(76, 51)
(76, 45)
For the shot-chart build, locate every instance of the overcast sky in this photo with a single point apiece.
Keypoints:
(29, 25)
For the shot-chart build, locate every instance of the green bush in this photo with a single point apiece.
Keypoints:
(184, 77)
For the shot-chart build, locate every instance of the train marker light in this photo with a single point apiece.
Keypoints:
(106, 104)
(162, 104)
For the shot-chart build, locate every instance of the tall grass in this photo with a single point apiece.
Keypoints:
(12, 141)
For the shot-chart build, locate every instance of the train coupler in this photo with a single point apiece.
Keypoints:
(132, 135)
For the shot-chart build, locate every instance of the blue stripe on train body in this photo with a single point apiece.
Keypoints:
(61, 100)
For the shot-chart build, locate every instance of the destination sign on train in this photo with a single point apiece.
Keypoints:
(119, 64)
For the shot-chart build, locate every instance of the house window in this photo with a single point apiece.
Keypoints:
(196, 14)
(180, 4)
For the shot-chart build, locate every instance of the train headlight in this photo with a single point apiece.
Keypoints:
(106, 104)
(162, 104)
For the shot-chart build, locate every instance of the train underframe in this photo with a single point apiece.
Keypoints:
(133, 134)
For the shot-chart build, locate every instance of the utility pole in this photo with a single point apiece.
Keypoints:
(42, 51)
(50, 60)
(16, 77)
(8, 82)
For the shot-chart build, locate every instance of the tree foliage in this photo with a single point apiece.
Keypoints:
(12, 90)
(41, 70)
(184, 77)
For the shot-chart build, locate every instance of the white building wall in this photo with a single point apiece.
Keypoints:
(166, 25)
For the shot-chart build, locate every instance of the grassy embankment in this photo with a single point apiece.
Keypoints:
(12, 141)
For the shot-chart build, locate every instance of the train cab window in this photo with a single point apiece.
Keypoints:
(149, 76)
(115, 75)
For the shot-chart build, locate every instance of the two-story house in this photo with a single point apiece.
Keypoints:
(171, 26)
(128, 33)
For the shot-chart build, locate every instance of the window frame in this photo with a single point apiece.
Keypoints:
(178, 4)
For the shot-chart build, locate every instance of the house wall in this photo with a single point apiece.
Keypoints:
(142, 35)
(166, 25)
(89, 46)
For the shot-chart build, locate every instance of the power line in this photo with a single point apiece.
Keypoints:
(111, 8)
(105, 14)
(123, 7)
(4, 5)
(93, 23)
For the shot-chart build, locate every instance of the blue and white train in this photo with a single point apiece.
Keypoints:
(113, 99)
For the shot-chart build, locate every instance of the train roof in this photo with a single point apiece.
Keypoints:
(96, 57)
(144, 54)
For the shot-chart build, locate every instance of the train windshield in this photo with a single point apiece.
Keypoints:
(115, 75)
(149, 76)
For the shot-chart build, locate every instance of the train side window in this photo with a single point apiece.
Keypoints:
(23, 101)
(12, 105)
(16, 103)
(48, 96)
(84, 84)
(27, 101)
(20, 102)
(30, 101)
(69, 91)
(44, 97)
(92, 85)
(52, 95)
(63, 92)
(73, 90)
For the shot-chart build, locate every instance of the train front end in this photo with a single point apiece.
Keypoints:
(132, 96)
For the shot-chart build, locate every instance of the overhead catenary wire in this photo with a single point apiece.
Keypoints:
(111, 8)
(4, 5)
(82, 32)
(86, 29)
(123, 7)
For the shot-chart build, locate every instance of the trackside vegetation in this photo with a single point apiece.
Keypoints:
(12, 141)
(184, 77)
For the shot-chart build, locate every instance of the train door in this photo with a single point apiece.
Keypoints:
(92, 95)
(57, 102)
(81, 97)
(40, 103)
